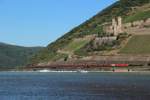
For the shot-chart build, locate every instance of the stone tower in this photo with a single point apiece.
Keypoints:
(114, 26)
(117, 26)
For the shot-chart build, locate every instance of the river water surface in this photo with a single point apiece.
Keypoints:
(74, 86)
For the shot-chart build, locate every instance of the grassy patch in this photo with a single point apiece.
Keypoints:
(76, 44)
(139, 44)
(138, 16)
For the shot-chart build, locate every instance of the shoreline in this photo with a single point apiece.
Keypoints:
(76, 71)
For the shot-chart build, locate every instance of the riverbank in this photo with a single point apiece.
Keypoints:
(82, 70)
(74, 71)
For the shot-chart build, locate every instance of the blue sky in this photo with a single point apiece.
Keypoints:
(39, 22)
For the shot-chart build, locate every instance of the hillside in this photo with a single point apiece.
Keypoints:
(129, 10)
(139, 44)
(12, 56)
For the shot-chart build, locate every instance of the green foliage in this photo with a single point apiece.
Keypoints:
(139, 44)
(131, 3)
(59, 56)
(107, 46)
(75, 45)
(12, 56)
(45, 55)
(138, 16)
(123, 36)
(42, 56)
(81, 52)
(88, 48)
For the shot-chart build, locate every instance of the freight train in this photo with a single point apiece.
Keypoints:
(74, 66)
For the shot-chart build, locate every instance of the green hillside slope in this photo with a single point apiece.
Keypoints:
(139, 44)
(12, 56)
(123, 8)
(137, 16)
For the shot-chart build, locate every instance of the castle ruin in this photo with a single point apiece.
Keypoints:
(135, 27)
(115, 27)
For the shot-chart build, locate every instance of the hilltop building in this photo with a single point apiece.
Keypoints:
(115, 27)
(135, 27)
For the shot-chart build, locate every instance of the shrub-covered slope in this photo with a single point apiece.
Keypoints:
(139, 44)
(122, 8)
(13, 56)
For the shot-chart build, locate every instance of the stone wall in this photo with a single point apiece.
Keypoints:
(98, 41)
(137, 27)
(117, 26)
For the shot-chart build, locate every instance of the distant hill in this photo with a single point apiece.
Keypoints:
(12, 56)
(72, 42)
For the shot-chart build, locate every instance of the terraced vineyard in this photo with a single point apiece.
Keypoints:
(138, 44)
(71, 45)
(138, 16)
(76, 44)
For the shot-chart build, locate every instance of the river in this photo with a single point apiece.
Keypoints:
(74, 86)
